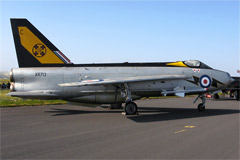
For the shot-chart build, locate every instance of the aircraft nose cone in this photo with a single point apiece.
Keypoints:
(229, 79)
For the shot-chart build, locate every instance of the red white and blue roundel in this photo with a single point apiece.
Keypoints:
(205, 81)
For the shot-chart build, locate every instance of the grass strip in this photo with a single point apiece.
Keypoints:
(8, 101)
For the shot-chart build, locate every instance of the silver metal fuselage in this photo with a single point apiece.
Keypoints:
(46, 80)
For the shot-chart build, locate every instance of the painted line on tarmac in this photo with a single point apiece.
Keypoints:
(180, 131)
(189, 126)
(184, 130)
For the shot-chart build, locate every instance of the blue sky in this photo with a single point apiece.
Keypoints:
(131, 31)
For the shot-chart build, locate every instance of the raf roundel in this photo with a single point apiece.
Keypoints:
(205, 81)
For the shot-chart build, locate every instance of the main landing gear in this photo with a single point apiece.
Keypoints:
(130, 107)
(201, 106)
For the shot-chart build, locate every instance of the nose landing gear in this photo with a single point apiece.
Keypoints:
(201, 106)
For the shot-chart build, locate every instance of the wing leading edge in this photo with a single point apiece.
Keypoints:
(95, 82)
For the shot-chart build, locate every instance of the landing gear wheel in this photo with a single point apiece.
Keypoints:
(237, 95)
(130, 108)
(201, 107)
(116, 106)
(216, 96)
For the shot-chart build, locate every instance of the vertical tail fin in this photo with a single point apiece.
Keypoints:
(33, 48)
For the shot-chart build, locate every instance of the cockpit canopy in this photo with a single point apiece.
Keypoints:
(196, 64)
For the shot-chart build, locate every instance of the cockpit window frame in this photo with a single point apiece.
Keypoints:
(204, 66)
(198, 64)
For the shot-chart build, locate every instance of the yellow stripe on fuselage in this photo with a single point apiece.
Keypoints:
(177, 64)
(36, 47)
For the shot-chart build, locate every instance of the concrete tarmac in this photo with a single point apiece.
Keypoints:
(170, 128)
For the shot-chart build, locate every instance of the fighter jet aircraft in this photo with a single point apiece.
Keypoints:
(46, 73)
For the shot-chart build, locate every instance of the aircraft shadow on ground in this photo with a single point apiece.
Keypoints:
(64, 112)
(154, 114)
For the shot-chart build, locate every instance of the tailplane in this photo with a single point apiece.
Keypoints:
(33, 48)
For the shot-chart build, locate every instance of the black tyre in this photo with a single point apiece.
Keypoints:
(201, 107)
(237, 95)
(130, 108)
(216, 96)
